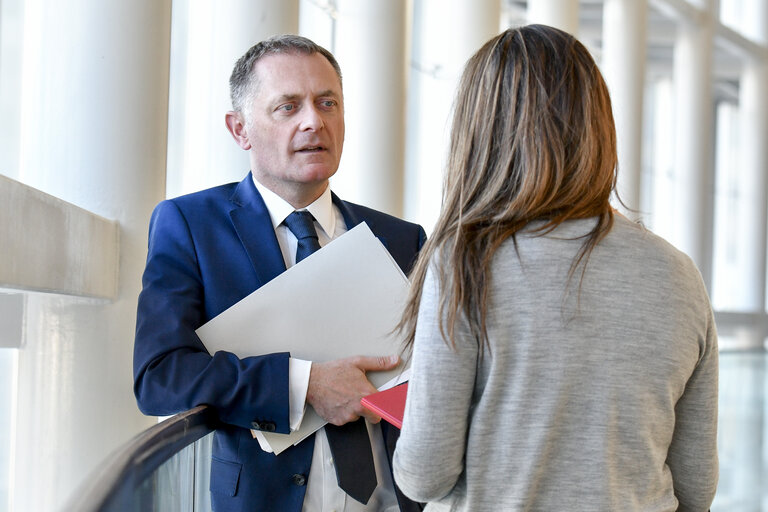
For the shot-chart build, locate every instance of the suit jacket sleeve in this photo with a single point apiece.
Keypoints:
(173, 371)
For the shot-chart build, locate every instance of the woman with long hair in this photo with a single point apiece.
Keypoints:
(563, 357)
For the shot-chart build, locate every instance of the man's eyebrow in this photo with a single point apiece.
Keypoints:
(328, 92)
(288, 97)
(293, 97)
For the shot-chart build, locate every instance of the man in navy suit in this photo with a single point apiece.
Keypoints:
(210, 249)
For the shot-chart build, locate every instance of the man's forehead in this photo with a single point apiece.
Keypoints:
(284, 71)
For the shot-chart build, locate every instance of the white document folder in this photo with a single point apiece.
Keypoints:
(341, 301)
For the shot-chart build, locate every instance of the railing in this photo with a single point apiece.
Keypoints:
(131, 478)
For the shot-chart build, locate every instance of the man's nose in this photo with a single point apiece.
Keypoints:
(311, 119)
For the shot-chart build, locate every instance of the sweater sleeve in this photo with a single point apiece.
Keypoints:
(429, 457)
(692, 456)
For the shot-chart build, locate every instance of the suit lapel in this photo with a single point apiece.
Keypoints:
(254, 227)
(352, 219)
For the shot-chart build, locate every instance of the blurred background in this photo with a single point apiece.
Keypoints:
(106, 108)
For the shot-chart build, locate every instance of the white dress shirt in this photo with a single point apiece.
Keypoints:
(323, 493)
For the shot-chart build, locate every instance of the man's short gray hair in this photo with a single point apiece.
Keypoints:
(242, 78)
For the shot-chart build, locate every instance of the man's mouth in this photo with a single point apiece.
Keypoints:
(310, 149)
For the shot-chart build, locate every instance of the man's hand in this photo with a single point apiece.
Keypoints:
(336, 387)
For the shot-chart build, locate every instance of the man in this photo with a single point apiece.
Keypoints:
(210, 249)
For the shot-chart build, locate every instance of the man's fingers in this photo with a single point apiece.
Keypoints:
(371, 417)
(335, 387)
(372, 363)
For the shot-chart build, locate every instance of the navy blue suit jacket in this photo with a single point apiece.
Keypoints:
(207, 251)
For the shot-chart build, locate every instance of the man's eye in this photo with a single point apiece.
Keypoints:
(287, 107)
(328, 103)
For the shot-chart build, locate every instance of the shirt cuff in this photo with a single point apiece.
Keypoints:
(262, 441)
(298, 381)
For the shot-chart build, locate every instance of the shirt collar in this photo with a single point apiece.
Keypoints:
(321, 209)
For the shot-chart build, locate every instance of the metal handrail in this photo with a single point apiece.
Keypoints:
(111, 487)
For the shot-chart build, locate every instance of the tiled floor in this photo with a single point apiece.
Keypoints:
(743, 433)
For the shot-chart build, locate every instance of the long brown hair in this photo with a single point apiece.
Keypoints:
(533, 139)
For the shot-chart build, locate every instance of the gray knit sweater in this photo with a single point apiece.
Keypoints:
(599, 398)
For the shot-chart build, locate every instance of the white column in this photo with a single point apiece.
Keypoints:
(317, 21)
(562, 14)
(94, 105)
(661, 135)
(753, 107)
(11, 16)
(694, 140)
(445, 35)
(756, 21)
(623, 66)
(370, 45)
(208, 38)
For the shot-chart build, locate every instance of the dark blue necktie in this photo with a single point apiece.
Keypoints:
(301, 224)
(350, 446)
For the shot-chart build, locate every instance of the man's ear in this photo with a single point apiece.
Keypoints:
(236, 126)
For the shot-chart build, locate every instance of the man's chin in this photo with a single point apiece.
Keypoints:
(316, 173)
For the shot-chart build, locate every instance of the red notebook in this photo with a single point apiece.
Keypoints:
(389, 404)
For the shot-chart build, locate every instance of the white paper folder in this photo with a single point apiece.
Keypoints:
(341, 301)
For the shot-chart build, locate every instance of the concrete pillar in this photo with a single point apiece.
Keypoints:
(51, 246)
(208, 38)
(93, 132)
(445, 35)
(370, 45)
(755, 21)
(661, 118)
(562, 14)
(727, 284)
(317, 21)
(11, 15)
(753, 107)
(694, 140)
(623, 66)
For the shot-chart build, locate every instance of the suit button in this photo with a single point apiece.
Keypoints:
(268, 426)
(299, 479)
(255, 425)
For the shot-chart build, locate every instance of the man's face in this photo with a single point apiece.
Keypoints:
(294, 124)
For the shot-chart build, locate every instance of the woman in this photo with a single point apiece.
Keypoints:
(563, 357)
